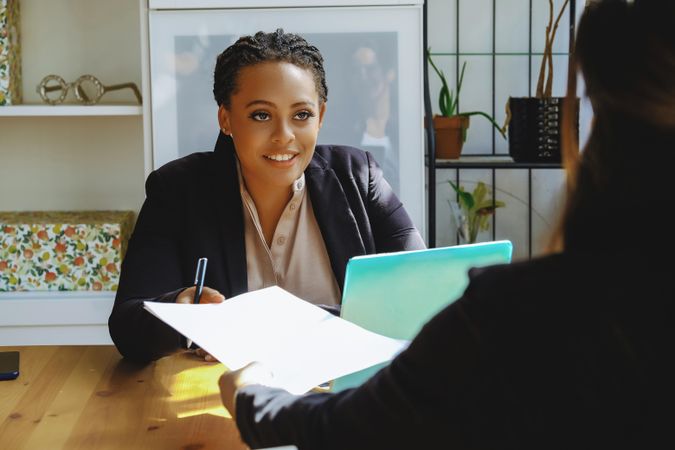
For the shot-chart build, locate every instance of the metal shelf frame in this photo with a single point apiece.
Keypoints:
(460, 165)
(433, 164)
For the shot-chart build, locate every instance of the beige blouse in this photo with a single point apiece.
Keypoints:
(297, 260)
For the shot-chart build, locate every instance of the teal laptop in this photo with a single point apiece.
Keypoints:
(395, 294)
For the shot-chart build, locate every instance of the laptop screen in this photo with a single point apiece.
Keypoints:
(395, 294)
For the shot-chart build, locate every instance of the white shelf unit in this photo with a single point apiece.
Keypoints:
(72, 156)
(55, 318)
(70, 110)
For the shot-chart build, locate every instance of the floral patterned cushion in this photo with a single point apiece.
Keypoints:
(62, 251)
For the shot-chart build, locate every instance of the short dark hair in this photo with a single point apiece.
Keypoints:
(265, 47)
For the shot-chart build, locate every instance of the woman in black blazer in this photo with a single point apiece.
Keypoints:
(271, 93)
(567, 351)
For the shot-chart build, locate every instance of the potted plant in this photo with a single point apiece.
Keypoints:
(451, 125)
(534, 122)
(474, 210)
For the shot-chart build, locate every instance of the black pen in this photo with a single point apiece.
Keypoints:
(199, 279)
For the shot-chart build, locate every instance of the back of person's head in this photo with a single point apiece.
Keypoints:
(266, 47)
(621, 182)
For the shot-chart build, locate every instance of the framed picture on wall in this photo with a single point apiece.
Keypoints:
(373, 61)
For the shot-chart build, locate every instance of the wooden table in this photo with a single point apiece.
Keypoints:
(87, 397)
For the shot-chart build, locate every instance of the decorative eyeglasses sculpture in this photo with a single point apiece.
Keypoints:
(88, 89)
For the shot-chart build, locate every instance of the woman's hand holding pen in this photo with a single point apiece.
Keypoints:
(208, 296)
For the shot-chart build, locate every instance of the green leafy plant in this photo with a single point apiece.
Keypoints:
(448, 101)
(475, 209)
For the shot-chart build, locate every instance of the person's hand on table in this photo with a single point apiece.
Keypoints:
(208, 296)
(253, 373)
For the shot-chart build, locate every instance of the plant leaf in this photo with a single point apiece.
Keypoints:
(451, 100)
(488, 117)
(443, 101)
(486, 210)
(480, 193)
(484, 222)
(444, 97)
(488, 206)
(465, 198)
(455, 107)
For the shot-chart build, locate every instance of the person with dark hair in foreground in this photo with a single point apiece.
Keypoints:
(568, 350)
(267, 207)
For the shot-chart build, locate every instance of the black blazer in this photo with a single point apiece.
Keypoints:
(193, 208)
(570, 351)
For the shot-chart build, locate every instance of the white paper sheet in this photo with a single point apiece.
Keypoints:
(301, 343)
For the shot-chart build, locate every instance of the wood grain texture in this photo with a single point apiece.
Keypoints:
(87, 397)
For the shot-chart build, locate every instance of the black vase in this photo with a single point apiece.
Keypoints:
(535, 128)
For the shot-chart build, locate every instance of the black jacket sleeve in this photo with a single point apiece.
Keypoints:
(393, 229)
(409, 404)
(138, 334)
(563, 351)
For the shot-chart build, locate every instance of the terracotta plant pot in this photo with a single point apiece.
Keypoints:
(450, 133)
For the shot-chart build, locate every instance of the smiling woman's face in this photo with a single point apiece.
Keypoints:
(274, 119)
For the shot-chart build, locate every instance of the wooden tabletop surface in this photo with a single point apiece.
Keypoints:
(87, 397)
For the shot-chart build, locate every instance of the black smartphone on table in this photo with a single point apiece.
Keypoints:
(9, 365)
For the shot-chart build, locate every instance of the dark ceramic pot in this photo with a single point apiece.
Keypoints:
(535, 128)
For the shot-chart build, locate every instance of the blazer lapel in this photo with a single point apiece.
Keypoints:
(228, 208)
(335, 218)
